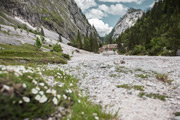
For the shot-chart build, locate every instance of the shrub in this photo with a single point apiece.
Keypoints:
(38, 43)
(139, 49)
(57, 48)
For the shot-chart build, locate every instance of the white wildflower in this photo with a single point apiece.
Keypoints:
(6, 87)
(29, 77)
(82, 113)
(34, 91)
(64, 96)
(96, 118)
(35, 82)
(38, 97)
(26, 99)
(79, 101)
(71, 84)
(41, 84)
(45, 87)
(41, 93)
(24, 85)
(55, 101)
(37, 88)
(58, 96)
(61, 85)
(48, 91)
(53, 92)
(43, 99)
(20, 102)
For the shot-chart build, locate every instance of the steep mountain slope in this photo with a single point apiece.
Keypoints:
(157, 33)
(127, 21)
(61, 16)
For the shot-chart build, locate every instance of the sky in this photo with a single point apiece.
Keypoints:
(104, 14)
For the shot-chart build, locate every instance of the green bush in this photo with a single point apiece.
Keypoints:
(57, 48)
(38, 43)
(139, 49)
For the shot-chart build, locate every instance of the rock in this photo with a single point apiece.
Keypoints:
(122, 62)
(176, 118)
(178, 53)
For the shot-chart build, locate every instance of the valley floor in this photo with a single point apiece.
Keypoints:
(139, 87)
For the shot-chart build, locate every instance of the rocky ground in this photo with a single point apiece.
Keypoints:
(103, 78)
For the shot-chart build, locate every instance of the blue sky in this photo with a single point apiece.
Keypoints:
(104, 14)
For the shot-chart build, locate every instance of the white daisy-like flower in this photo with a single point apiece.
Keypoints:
(69, 91)
(20, 102)
(61, 85)
(43, 99)
(26, 99)
(35, 82)
(82, 113)
(97, 118)
(38, 97)
(6, 87)
(79, 101)
(41, 93)
(58, 96)
(45, 87)
(34, 91)
(24, 85)
(48, 91)
(64, 96)
(55, 101)
(71, 84)
(53, 92)
(29, 77)
(41, 84)
(37, 88)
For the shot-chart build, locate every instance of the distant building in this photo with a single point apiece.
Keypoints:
(109, 47)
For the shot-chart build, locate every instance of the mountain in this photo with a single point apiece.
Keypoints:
(61, 16)
(127, 21)
(156, 33)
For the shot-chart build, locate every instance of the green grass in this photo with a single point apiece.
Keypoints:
(142, 76)
(81, 108)
(163, 78)
(128, 87)
(177, 114)
(153, 95)
(26, 54)
(122, 69)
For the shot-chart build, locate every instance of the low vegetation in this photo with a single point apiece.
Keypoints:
(39, 92)
(142, 76)
(129, 87)
(163, 78)
(153, 95)
(27, 54)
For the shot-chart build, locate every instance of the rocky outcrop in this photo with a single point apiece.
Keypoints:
(61, 16)
(127, 21)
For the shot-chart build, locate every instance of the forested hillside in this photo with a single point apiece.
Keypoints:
(156, 33)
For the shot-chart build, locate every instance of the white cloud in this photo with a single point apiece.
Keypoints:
(100, 26)
(95, 13)
(85, 4)
(125, 1)
(117, 9)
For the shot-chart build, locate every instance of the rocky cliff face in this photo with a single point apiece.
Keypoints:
(127, 21)
(61, 16)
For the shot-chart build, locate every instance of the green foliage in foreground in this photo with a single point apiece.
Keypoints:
(156, 33)
(64, 92)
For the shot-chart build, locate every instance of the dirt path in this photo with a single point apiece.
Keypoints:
(118, 86)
